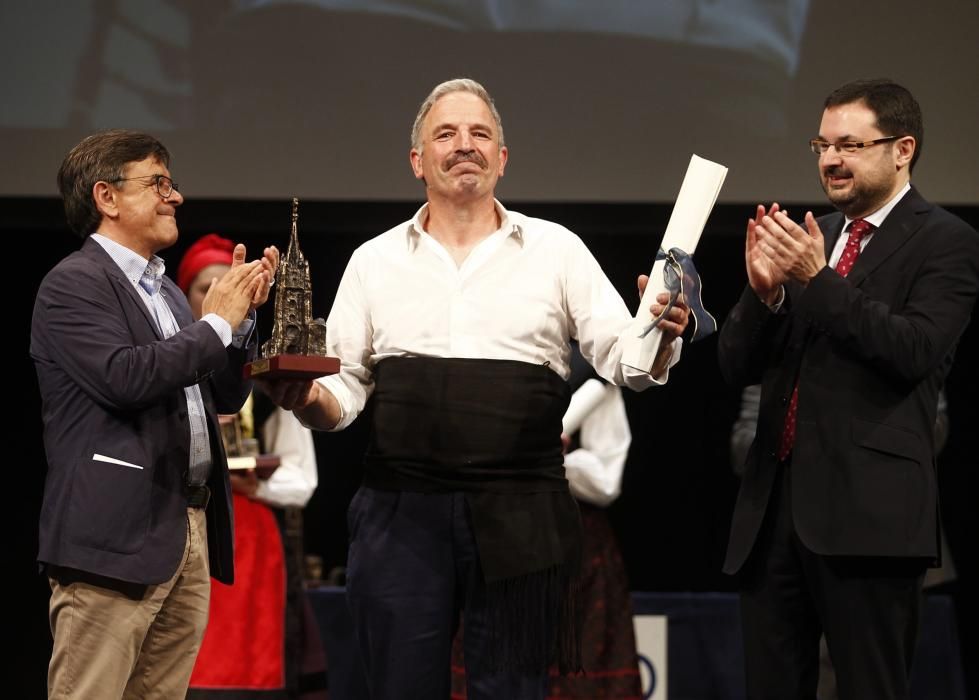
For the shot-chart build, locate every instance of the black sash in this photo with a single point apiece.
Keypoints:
(491, 428)
(581, 372)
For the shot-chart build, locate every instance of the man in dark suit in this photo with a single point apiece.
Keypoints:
(851, 336)
(136, 510)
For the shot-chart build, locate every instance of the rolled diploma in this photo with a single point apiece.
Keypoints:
(698, 193)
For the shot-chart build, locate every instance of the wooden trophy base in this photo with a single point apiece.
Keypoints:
(292, 367)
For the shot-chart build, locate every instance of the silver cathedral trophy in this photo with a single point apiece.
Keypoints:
(297, 348)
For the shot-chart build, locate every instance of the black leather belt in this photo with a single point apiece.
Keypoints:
(198, 495)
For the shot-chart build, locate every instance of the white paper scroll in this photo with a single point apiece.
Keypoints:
(583, 402)
(699, 191)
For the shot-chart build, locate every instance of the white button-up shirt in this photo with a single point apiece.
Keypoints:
(521, 293)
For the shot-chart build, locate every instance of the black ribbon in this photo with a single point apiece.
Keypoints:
(681, 277)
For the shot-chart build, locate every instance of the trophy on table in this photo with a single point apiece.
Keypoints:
(297, 348)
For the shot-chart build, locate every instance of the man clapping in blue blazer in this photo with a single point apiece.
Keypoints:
(136, 513)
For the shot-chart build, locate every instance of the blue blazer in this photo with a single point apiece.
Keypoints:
(870, 352)
(116, 432)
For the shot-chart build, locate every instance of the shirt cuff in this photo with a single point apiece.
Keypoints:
(236, 338)
(241, 334)
(774, 307)
(677, 350)
(220, 326)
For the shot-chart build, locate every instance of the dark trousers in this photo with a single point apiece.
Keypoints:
(412, 568)
(868, 608)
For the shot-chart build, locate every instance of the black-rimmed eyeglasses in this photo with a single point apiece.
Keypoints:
(164, 185)
(819, 147)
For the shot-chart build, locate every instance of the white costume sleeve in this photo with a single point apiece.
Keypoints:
(294, 481)
(595, 469)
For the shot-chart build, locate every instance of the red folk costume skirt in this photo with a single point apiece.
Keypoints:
(244, 645)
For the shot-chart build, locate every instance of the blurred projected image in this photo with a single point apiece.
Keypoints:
(770, 30)
(97, 63)
(142, 61)
(300, 77)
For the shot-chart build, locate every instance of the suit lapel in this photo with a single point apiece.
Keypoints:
(898, 228)
(98, 255)
(177, 302)
(834, 227)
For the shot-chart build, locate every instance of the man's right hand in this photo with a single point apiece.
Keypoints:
(290, 394)
(314, 404)
(230, 297)
(764, 275)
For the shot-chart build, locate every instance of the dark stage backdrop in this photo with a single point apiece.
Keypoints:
(672, 518)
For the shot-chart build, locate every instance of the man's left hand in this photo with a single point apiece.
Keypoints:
(270, 264)
(672, 325)
(270, 261)
(798, 252)
(675, 322)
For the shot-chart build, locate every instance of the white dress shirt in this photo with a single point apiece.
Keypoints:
(520, 295)
(877, 218)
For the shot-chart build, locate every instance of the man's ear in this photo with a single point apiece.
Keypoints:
(415, 156)
(905, 147)
(104, 196)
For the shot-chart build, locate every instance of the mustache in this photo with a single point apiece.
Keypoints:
(836, 171)
(465, 157)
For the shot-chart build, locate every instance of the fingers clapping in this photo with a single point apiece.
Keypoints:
(777, 249)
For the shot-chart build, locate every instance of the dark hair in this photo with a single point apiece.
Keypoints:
(898, 113)
(101, 156)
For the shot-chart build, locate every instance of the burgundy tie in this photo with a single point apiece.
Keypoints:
(858, 229)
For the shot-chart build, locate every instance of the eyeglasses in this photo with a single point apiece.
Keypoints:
(673, 281)
(164, 185)
(819, 147)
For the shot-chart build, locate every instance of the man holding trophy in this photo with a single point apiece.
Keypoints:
(458, 323)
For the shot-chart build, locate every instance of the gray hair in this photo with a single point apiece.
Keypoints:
(447, 88)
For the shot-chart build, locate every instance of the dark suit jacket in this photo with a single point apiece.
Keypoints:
(112, 389)
(871, 352)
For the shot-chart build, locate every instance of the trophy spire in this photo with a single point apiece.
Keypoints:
(294, 237)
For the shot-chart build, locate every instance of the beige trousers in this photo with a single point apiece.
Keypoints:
(129, 641)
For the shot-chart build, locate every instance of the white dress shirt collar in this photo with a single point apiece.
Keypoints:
(509, 225)
(877, 218)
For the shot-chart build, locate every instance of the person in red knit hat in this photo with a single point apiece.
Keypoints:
(208, 251)
(258, 631)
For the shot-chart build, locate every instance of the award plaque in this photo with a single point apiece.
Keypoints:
(297, 348)
(264, 465)
(243, 451)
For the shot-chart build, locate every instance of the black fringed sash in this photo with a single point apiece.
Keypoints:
(492, 428)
